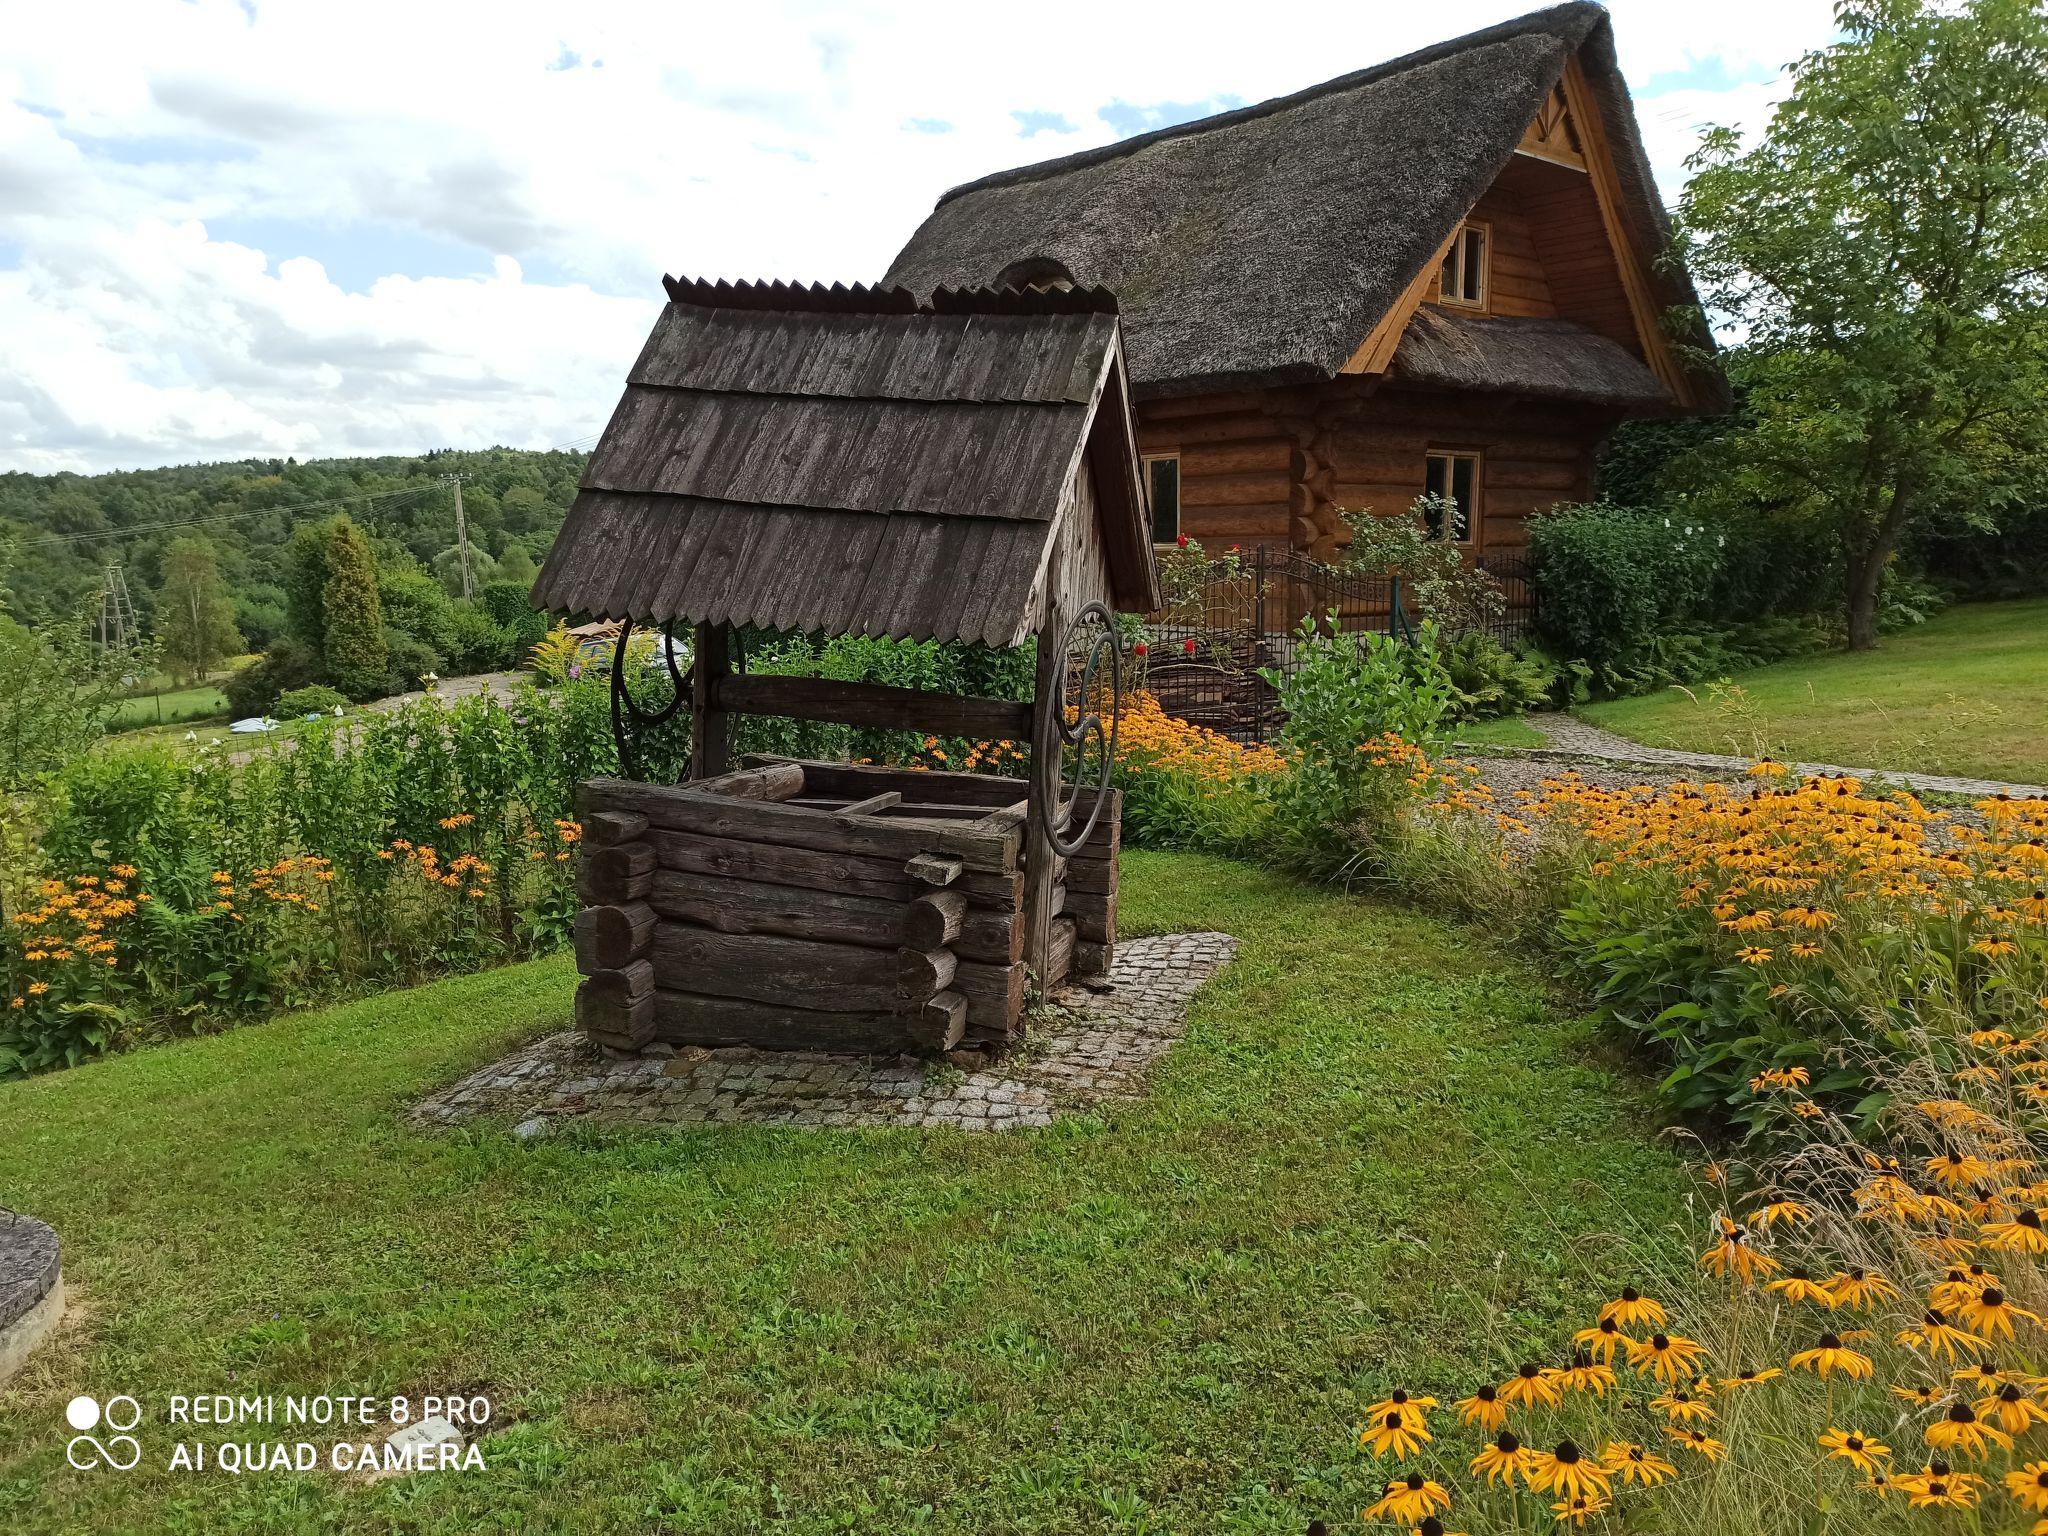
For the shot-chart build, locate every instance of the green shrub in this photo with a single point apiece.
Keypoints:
(1614, 578)
(409, 660)
(1435, 579)
(1489, 679)
(257, 688)
(353, 646)
(319, 699)
(475, 643)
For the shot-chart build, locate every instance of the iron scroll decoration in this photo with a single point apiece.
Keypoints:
(1095, 627)
(628, 716)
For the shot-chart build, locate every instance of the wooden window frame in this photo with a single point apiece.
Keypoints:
(1145, 463)
(1477, 511)
(1456, 254)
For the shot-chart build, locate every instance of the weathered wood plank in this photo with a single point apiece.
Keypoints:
(923, 973)
(1093, 959)
(693, 1018)
(774, 864)
(1094, 915)
(872, 804)
(797, 973)
(731, 905)
(934, 921)
(624, 1023)
(710, 730)
(608, 829)
(995, 996)
(683, 809)
(874, 705)
(771, 781)
(610, 937)
(849, 781)
(932, 869)
(614, 876)
(1059, 959)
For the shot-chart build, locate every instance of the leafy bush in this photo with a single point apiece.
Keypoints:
(1489, 679)
(354, 651)
(319, 699)
(1438, 582)
(257, 688)
(409, 661)
(509, 605)
(56, 696)
(1616, 578)
(475, 642)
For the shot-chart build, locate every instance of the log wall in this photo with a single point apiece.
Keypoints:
(816, 906)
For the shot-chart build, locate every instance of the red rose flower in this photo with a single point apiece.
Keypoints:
(1182, 541)
(1188, 646)
(1139, 649)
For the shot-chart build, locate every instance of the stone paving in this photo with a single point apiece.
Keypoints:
(1093, 1042)
(1574, 740)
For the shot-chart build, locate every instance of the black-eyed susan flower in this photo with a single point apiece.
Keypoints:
(1863, 1452)
(1681, 1406)
(1568, 1472)
(1483, 1409)
(1858, 1287)
(1397, 1431)
(1878, 1484)
(1431, 1526)
(1831, 1355)
(1585, 1374)
(1531, 1386)
(1791, 1212)
(1578, 1510)
(1937, 1334)
(2011, 1408)
(1796, 1285)
(1921, 1396)
(1957, 1170)
(2023, 1234)
(1699, 1441)
(1503, 1459)
(1632, 1309)
(1961, 1432)
(1750, 1378)
(1733, 1256)
(1408, 1500)
(1938, 1486)
(1991, 1314)
(1778, 1079)
(1601, 1340)
(1669, 1357)
(2029, 1486)
(1631, 1463)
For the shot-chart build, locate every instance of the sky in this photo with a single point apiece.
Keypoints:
(236, 228)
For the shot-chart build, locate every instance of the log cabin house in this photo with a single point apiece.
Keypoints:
(1438, 274)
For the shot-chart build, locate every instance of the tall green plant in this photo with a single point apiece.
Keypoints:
(352, 642)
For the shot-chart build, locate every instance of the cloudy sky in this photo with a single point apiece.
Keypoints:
(316, 227)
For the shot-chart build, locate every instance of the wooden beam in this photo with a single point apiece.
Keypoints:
(874, 705)
(710, 731)
(608, 938)
(872, 804)
(771, 781)
(694, 1018)
(1047, 696)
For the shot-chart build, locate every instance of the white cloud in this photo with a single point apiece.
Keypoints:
(792, 139)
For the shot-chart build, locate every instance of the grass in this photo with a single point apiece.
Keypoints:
(1508, 731)
(1965, 693)
(205, 702)
(1379, 1156)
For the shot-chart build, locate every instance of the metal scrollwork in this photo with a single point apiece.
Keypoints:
(1094, 633)
(627, 715)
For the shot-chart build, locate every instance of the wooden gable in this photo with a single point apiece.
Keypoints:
(1558, 248)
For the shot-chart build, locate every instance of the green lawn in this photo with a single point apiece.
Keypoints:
(1509, 731)
(205, 702)
(1965, 693)
(1379, 1157)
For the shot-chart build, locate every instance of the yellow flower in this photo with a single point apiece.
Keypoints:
(1939, 1486)
(1750, 1378)
(1863, 1452)
(1733, 1256)
(1502, 1460)
(1601, 1340)
(1568, 1472)
(2011, 1409)
(2029, 1486)
(1830, 1355)
(1795, 1285)
(1962, 1432)
(1530, 1386)
(1699, 1441)
(1632, 1309)
(1408, 1500)
(1578, 1510)
(1991, 1313)
(1631, 1463)
(1669, 1358)
(1859, 1287)
(1483, 1409)
(1399, 1430)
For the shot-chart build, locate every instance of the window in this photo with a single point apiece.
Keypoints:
(1464, 276)
(1454, 477)
(1162, 487)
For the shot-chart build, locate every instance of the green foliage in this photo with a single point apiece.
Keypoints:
(305, 586)
(353, 647)
(319, 699)
(414, 603)
(56, 696)
(1489, 680)
(195, 623)
(1614, 578)
(1436, 581)
(509, 604)
(1881, 248)
(303, 871)
(475, 643)
(256, 688)
(1357, 706)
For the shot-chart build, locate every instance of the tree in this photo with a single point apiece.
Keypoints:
(56, 696)
(195, 617)
(1884, 251)
(306, 585)
(352, 642)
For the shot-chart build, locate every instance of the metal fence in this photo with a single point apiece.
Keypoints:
(1207, 655)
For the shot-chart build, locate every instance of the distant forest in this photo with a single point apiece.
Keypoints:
(59, 533)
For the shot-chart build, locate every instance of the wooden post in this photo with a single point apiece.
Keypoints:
(710, 727)
(1048, 685)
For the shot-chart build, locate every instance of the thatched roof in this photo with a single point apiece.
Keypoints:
(1555, 359)
(1261, 246)
(850, 461)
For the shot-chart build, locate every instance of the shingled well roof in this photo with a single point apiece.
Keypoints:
(850, 461)
(1259, 247)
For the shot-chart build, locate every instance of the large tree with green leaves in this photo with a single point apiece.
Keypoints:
(195, 617)
(353, 638)
(1883, 250)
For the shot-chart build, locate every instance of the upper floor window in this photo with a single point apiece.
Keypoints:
(1453, 484)
(1162, 488)
(1464, 274)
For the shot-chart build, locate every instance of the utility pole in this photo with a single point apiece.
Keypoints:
(461, 535)
(118, 628)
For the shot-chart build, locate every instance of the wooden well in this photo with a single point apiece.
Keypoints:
(826, 907)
